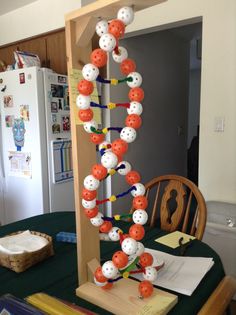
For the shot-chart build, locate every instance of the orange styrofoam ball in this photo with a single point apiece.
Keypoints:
(140, 202)
(119, 157)
(119, 146)
(132, 177)
(85, 114)
(133, 121)
(85, 87)
(89, 194)
(127, 66)
(91, 213)
(105, 227)
(107, 286)
(97, 138)
(120, 259)
(136, 94)
(123, 236)
(99, 171)
(136, 231)
(116, 28)
(145, 288)
(99, 57)
(99, 275)
(145, 260)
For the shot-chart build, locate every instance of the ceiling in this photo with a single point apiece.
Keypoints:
(10, 5)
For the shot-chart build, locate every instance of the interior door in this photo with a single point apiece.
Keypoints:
(162, 58)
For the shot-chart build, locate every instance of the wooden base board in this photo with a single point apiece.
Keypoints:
(123, 298)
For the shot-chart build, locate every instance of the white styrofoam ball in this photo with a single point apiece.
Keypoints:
(126, 170)
(101, 28)
(89, 204)
(137, 79)
(99, 284)
(140, 190)
(129, 246)
(114, 234)
(135, 108)
(128, 134)
(123, 54)
(140, 249)
(107, 42)
(140, 216)
(104, 237)
(97, 221)
(89, 124)
(109, 270)
(109, 160)
(90, 72)
(104, 144)
(91, 183)
(83, 101)
(126, 15)
(150, 274)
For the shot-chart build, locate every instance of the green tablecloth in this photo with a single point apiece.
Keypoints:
(57, 275)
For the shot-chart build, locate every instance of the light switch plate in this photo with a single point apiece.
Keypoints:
(219, 124)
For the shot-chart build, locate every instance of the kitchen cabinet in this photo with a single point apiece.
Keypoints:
(50, 48)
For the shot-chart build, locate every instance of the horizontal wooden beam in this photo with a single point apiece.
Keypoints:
(108, 8)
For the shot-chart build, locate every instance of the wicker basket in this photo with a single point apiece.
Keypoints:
(21, 262)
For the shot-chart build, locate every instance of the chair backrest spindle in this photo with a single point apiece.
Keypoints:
(180, 204)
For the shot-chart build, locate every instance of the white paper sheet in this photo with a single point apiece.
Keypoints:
(179, 274)
(22, 242)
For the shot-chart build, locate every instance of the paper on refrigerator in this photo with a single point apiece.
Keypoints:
(179, 274)
(20, 164)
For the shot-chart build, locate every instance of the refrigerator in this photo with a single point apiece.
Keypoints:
(35, 144)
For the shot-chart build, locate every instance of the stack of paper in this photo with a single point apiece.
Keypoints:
(180, 274)
(53, 306)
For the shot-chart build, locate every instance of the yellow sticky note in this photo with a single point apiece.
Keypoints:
(75, 76)
(159, 304)
(172, 239)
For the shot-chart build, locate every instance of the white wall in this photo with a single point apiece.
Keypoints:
(217, 174)
(36, 18)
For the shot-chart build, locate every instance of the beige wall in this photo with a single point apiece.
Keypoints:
(218, 90)
(36, 18)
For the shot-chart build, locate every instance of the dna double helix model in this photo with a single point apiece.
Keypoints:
(131, 258)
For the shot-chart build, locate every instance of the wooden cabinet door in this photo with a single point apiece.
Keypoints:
(7, 54)
(36, 46)
(56, 52)
(50, 48)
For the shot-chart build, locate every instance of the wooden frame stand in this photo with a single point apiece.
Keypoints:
(123, 298)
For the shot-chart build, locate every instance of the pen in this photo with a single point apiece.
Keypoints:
(183, 247)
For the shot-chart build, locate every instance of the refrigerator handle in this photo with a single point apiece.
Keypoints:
(2, 169)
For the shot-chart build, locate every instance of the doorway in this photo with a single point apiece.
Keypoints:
(169, 62)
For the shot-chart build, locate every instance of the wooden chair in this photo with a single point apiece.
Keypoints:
(188, 213)
(220, 299)
(186, 193)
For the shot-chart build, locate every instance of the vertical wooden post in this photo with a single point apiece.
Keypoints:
(84, 156)
(122, 299)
